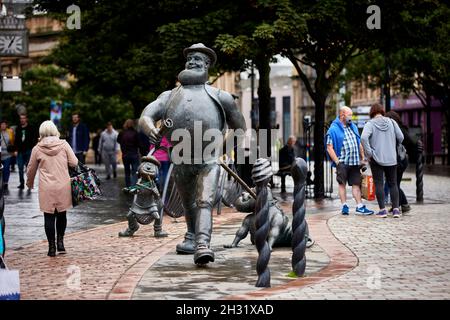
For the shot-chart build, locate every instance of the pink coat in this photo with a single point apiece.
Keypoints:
(52, 157)
(161, 154)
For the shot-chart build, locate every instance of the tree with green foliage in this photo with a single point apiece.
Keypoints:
(325, 35)
(419, 67)
(133, 49)
(130, 49)
(40, 85)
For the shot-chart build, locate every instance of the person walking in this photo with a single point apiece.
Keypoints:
(7, 144)
(345, 150)
(52, 157)
(2, 224)
(108, 148)
(380, 137)
(26, 138)
(79, 137)
(286, 157)
(13, 160)
(402, 164)
(95, 144)
(129, 144)
(162, 155)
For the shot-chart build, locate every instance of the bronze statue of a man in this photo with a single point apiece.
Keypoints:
(192, 103)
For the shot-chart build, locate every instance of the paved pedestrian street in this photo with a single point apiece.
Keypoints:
(353, 257)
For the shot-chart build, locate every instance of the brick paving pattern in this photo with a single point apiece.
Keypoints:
(99, 256)
(408, 258)
(354, 257)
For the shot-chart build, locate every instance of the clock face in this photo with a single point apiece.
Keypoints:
(12, 44)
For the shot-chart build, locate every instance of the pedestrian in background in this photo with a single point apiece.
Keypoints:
(13, 160)
(402, 164)
(108, 147)
(26, 138)
(144, 143)
(286, 157)
(344, 148)
(7, 144)
(52, 158)
(95, 143)
(129, 144)
(162, 155)
(2, 227)
(379, 138)
(79, 137)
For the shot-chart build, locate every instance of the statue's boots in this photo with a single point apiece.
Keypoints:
(203, 254)
(188, 245)
(127, 232)
(203, 226)
(133, 226)
(160, 234)
(158, 231)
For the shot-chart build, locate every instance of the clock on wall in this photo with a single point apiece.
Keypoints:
(13, 43)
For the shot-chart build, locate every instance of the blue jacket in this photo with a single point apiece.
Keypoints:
(82, 137)
(336, 132)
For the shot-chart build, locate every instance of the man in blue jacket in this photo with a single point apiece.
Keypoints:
(345, 149)
(79, 138)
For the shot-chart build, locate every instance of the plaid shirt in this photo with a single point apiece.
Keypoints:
(350, 149)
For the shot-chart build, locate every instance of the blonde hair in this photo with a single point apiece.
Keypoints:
(48, 129)
(128, 124)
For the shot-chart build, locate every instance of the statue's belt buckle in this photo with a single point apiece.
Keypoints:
(168, 123)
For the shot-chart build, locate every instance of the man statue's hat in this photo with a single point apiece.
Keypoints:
(200, 47)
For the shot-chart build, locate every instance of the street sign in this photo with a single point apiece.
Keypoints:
(13, 84)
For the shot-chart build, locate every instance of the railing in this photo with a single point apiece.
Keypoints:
(328, 170)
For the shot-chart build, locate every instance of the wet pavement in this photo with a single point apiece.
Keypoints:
(233, 271)
(25, 222)
(100, 265)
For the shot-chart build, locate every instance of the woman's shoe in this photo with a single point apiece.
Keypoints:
(406, 208)
(60, 245)
(382, 213)
(396, 213)
(51, 249)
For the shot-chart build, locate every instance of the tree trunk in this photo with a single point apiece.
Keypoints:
(447, 118)
(429, 135)
(387, 83)
(264, 92)
(319, 148)
(446, 105)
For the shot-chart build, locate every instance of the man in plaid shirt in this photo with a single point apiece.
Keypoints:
(345, 149)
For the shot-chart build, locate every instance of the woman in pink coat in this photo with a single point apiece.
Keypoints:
(52, 157)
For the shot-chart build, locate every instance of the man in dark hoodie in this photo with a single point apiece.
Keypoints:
(344, 148)
(26, 139)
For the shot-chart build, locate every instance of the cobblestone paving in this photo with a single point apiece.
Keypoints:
(368, 257)
(25, 222)
(96, 259)
(408, 258)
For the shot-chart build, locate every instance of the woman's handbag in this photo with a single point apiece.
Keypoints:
(9, 147)
(9, 283)
(85, 184)
(401, 152)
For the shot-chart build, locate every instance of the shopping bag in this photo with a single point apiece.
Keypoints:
(85, 184)
(368, 187)
(9, 283)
